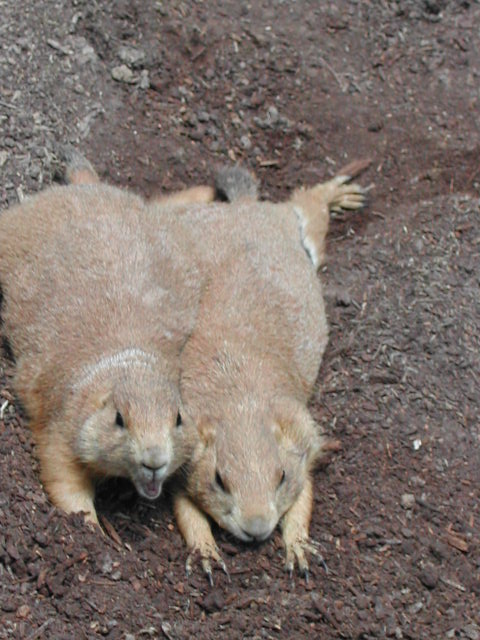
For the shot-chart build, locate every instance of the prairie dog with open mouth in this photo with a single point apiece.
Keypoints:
(98, 301)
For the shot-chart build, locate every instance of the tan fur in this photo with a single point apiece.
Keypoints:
(97, 304)
(249, 368)
(192, 195)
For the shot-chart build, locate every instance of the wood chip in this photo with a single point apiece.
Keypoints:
(457, 543)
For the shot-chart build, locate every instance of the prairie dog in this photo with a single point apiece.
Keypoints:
(98, 300)
(248, 369)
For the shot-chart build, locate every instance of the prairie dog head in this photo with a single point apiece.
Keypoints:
(249, 465)
(129, 422)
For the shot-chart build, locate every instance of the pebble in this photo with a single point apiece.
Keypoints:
(407, 500)
(214, 601)
(438, 550)
(245, 142)
(416, 481)
(9, 605)
(362, 601)
(379, 609)
(342, 298)
(429, 576)
(472, 631)
(123, 74)
(131, 55)
(203, 116)
(23, 611)
(107, 564)
(144, 80)
(415, 608)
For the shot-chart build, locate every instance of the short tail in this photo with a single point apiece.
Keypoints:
(313, 206)
(235, 183)
(231, 185)
(74, 167)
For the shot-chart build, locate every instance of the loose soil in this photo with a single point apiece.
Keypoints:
(294, 90)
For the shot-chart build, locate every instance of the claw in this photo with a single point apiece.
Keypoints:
(206, 557)
(209, 576)
(295, 554)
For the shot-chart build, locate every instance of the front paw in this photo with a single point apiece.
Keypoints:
(296, 551)
(207, 553)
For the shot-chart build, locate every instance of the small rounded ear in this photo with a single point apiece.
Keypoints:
(103, 399)
(298, 430)
(207, 430)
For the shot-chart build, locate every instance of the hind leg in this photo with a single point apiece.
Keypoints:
(313, 206)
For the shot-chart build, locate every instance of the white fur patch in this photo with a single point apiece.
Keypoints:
(114, 361)
(307, 243)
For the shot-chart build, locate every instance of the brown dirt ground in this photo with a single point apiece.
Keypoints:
(294, 90)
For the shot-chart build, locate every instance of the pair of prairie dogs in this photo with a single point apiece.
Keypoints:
(148, 336)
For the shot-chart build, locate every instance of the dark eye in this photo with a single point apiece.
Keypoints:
(119, 420)
(179, 419)
(282, 479)
(219, 481)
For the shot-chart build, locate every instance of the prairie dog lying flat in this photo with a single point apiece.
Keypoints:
(97, 304)
(249, 367)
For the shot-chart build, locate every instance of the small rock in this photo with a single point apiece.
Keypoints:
(429, 576)
(214, 601)
(131, 55)
(198, 133)
(123, 74)
(472, 631)
(362, 601)
(407, 500)
(144, 80)
(438, 550)
(375, 126)
(416, 481)
(415, 608)
(245, 142)
(23, 611)
(379, 609)
(272, 115)
(408, 547)
(40, 538)
(107, 564)
(342, 298)
(9, 605)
